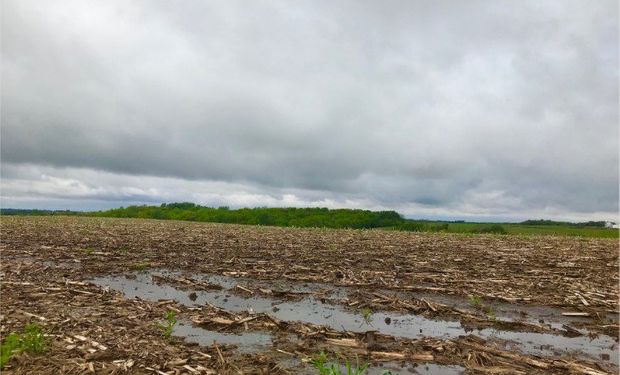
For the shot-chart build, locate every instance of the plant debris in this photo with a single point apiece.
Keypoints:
(46, 278)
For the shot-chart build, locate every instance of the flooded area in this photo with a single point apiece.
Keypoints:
(311, 310)
(58, 263)
(544, 315)
(388, 368)
(547, 316)
(247, 342)
(433, 369)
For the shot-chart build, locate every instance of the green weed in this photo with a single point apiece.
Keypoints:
(11, 344)
(141, 266)
(168, 327)
(475, 301)
(31, 341)
(320, 363)
(491, 313)
(89, 251)
(367, 315)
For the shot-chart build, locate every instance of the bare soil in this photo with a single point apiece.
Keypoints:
(540, 304)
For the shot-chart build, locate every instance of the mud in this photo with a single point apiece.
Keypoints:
(258, 300)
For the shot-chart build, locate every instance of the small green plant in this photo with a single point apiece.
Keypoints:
(168, 327)
(491, 313)
(10, 345)
(475, 301)
(367, 315)
(89, 251)
(320, 363)
(31, 341)
(141, 266)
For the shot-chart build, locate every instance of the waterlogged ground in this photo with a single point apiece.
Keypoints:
(268, 300)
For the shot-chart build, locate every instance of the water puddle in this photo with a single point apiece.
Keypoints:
(433, 369)
(66, 264)
(539, 315)
(247, 342)
(503, 311)
(308, 310)
(391, 368)
(228, 282)
(311, 310)
(550, 316)
(63, 264)
(384, 368)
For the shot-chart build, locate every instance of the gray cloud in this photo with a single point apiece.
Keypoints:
(472, 108)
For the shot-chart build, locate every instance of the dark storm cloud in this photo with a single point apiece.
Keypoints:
(469, 107)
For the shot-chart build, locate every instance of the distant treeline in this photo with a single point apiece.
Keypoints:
(585, 224)
(330, 218)
(28, 212)
(282, 217)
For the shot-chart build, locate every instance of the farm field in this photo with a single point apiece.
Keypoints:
(552, 230)
(117, 296)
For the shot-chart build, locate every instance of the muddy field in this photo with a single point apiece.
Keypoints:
(262, 300)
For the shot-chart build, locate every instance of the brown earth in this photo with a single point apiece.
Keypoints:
(47, 263)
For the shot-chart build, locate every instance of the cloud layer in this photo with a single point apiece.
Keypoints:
(455, 109)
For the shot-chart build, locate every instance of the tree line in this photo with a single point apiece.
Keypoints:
(282, 217)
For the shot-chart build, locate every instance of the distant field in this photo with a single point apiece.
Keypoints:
(555, 230)
(334, 218)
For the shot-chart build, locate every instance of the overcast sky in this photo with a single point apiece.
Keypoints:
(452, 109)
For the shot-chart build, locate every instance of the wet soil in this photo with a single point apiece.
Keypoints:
(267, 300)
